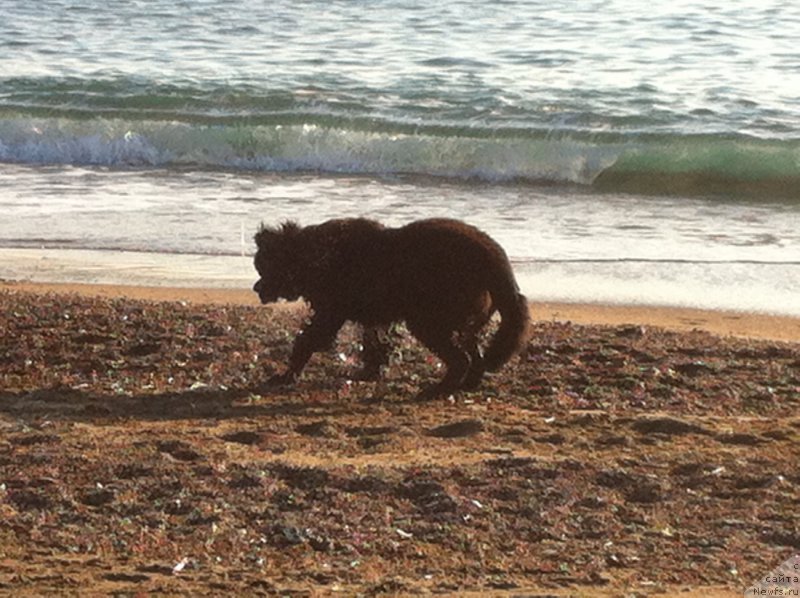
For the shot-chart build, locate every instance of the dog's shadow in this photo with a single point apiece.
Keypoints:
(75, 405)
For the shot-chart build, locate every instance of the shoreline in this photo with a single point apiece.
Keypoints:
(683, 319)
(764, 289)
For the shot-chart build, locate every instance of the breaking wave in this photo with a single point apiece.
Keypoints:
(115, 125)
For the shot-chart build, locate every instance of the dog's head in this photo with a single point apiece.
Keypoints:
(277, 262)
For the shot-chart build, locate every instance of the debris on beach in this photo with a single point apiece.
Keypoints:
(138, 454)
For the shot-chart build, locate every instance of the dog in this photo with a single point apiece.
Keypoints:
(443, 278)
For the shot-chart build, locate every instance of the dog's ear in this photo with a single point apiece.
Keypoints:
(290, 228)
(268, 237)
(265, 236)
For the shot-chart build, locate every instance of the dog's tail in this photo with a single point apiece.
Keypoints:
(515, 321)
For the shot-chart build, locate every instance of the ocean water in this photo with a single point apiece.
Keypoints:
(620, 150)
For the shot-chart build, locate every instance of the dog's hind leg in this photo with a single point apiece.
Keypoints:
(468, 339)
(476, 367)
(457, 361)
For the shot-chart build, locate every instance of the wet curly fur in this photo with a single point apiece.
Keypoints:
(442, 277)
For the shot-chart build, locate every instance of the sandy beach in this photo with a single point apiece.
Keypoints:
(627, 450)
(638, 166)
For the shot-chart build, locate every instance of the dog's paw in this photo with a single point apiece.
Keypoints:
(367, 374)
(433, 392)
(280, 380)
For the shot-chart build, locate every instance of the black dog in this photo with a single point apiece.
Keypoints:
(444, 278)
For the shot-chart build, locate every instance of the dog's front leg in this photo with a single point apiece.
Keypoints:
(317, 335)
(377, 346)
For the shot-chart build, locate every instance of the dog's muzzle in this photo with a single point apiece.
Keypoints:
(259, 288)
